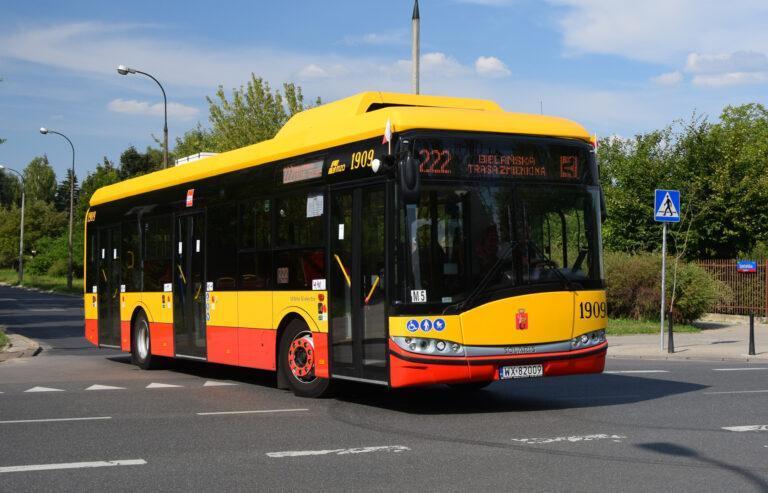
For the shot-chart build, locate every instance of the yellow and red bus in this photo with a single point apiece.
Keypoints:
(463, 249)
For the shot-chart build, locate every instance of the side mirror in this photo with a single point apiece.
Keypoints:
(410, 180)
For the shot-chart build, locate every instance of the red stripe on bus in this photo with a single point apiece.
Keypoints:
(161, 339)
(256, 348)
(92, 331)
(125, 336)
(222, 344)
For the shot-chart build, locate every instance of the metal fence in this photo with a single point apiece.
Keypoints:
(749, 290)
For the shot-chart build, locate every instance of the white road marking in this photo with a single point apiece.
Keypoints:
(637, 371)
(46, 309)
(53, 420)
(738, 392)
(104, 387)
(740, 369)
(260, 411)
(746, 428)
(578, 438)
(213, 383)
(73, 465)
(161, 386)
(338, 451)
(43, 389)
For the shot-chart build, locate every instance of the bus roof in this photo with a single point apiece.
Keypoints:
(348, 120)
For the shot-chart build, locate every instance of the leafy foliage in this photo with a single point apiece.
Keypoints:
(721, 170)
(254, 113)
(134, 163)
(40, 180)
(61, 200)
(634, 288)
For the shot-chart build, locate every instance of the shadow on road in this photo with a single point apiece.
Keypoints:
(671, 449)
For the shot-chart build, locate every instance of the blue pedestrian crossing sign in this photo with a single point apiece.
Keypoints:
(667, 206)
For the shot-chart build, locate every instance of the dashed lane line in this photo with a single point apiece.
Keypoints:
(637, 371)
(104, 387)
(338, 451)
(155, 385)
(746, 428)
(570, 439)
(741, 369)
(257, 411)
(73, 465)
(54, 420)
(214, 383)
(738, 392)
(44, 389)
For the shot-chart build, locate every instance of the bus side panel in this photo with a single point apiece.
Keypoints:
(160, 313)
(221, 327)
(256, 334)
(312, 306)
(128, 303)
(90, 305)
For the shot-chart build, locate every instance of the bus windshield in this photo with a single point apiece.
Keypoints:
(500, 236)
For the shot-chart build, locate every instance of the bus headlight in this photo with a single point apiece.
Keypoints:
(433, 347)
(589, 339)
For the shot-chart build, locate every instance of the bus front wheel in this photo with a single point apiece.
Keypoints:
(297, 361)
(141, 350)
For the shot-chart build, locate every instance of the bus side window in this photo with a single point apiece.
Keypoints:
(300, 235)
(222, 246)
(157, 253)
(254, 243)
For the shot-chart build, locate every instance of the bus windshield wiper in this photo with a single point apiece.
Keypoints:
(551, 266)
(485, 280)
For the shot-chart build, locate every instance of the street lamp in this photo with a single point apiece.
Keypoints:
(45, 131)
(123, 70)
(21, 229)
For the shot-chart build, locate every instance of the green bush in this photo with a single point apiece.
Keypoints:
(634, 288)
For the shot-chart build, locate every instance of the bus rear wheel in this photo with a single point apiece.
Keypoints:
(297, 361)
(141, 349)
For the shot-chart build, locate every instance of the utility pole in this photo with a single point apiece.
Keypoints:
(415, 32)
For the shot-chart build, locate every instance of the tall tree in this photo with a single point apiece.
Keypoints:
(135, 163)
(10, 189)
(61, 200)
(40, 180)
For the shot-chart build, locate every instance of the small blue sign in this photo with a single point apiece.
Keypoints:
(667, 206)
(426, 325)
(746, 266)
(412, 325)
(439, 324)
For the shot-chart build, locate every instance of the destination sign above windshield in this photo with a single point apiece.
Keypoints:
(524, 158)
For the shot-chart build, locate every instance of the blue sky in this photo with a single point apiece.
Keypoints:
(618, 67)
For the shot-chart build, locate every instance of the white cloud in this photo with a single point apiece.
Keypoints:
(394, 38)
(491, 3)
(668, 79)
(435, 63)
(726, 69)
(134, 107)
(663, 31)
(314, 71)
(490, 66)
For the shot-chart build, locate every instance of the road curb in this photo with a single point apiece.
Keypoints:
(38, 290)
(19, 347)
(753, 359)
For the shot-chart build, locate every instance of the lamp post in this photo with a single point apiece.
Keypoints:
(123, 70)
(45, 131)
(21, 227)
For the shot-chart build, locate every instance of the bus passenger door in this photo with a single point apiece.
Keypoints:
(189, 289)
(109, 286)
(358, 329)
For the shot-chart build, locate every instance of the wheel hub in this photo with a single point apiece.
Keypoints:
(301, 357)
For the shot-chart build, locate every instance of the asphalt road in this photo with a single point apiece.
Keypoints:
(648, 426)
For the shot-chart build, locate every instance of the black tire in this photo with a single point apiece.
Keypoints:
(469, 386)
(141, 350)
(297, 361)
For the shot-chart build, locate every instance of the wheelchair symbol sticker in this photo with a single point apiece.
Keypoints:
(412, 325)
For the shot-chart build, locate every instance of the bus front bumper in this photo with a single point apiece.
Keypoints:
(408, 369)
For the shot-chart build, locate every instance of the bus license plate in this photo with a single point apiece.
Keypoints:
(523, 371)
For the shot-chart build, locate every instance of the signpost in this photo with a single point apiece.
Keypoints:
(666, 208)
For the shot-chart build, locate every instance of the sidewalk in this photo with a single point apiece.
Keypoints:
(19, 347)
(716, 342)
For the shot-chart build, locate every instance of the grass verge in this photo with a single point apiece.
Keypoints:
(626, 326)
(51, 283)
(3, 339)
